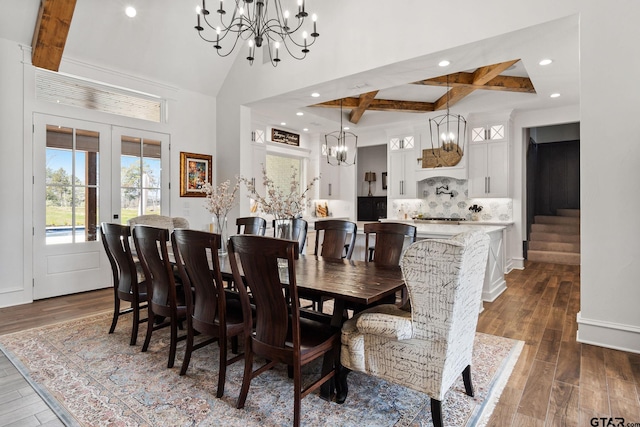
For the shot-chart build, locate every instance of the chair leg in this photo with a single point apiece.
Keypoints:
(150, 323)
(466, 377)
(136, 322)
(436, 412)
(222, 369)
(342, 389)
(174, 342)
(246, 379)
(297, 390)
(234, 344)
(188, 350)
(116, 314)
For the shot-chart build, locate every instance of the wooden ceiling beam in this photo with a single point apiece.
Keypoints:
(484, 74)
(481, 76)
(50, 33)
(364, 102)
(381, 105)
(500, 83)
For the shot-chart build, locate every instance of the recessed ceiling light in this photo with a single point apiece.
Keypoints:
(444, 63)
(315, 94)
(299, 113)
(283, 124)
(545, 61)
(306, 129)
(130, 11)
(346, 128)
(555, 95)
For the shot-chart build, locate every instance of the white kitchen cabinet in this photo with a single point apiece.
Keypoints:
(329, 180)
(402, 165)
(489, 169)
(489, 162)
(258, 161)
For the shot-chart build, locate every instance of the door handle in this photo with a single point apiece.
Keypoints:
(329, 189)
(489, 184)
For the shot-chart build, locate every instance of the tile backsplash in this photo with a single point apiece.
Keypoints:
(452, 202)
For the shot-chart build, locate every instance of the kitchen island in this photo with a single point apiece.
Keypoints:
(494, 282)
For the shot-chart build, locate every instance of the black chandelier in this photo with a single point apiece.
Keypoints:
(259, 22)
(341, 145)
(448, 131)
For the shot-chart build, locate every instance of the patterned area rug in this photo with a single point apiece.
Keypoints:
(92, 378)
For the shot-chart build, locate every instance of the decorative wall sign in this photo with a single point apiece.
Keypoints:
(441, 157)
(195, 171)
(285, 137)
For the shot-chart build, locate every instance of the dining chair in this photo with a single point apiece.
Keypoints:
(390, 240)
(251, 225)
(338, 241)
(128, 282)
(279, 335)
(444, 279)
(165, 300)
(209, 312)
(334, 233)
(294, 229)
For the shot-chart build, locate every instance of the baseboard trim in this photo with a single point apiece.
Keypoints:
(514, 264)
(616, 336)
(497, 287)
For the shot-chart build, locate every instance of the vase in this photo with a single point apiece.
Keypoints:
(219, 226)
(475, 216)
(283, 229)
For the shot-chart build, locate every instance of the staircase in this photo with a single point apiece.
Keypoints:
(556, 239)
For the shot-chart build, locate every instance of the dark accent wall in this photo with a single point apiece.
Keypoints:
(556, 177)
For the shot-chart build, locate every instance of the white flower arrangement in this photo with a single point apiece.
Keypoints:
(219, 200)
(279, 203)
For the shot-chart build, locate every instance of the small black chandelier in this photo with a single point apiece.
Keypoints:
(259, 22)
(340, 145)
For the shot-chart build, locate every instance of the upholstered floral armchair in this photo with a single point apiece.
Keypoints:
(426, 348)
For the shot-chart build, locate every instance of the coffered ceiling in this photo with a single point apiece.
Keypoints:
(458, 86)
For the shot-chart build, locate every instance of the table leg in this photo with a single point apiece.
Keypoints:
(327, 389)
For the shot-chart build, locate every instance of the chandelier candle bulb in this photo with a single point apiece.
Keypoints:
(314, 18)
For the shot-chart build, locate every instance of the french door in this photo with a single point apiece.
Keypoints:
(85, 173)
(70, 159)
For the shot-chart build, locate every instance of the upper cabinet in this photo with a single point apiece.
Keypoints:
(329, 179)
(402, 160)
(258, 161)
(489, 160)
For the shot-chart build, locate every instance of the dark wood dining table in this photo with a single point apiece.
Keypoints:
(349, 283)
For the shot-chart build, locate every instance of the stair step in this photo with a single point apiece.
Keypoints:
(569, 212)
(554, 246)
(554, 257)
(556, 228)
(548, 219)
(554, 237)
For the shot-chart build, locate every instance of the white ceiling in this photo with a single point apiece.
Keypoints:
(161, 44)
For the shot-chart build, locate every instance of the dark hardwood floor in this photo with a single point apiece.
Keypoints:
(556, 382)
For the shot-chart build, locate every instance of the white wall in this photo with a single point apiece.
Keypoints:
(191, 124)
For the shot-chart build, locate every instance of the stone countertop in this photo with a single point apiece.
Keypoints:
(442, 230)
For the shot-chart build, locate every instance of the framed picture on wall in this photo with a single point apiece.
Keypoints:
(195, 171)
(384, 180)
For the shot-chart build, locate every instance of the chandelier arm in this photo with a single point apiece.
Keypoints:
(235, 43)
(293, 55)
